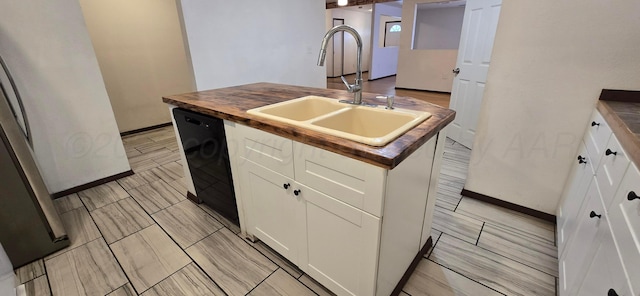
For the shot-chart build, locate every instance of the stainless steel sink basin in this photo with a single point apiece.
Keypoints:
(374, 126)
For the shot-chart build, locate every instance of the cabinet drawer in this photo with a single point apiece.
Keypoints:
(605, 272)
(624, 215)
(596, 137)
(573, 196)
(269, 150)
(581, 243)
(354, 182)
(611, 170)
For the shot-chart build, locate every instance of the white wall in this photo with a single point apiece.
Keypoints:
(141, 55)
(359, 20)
(438, 28)
(242, 41)
(422, 69)
(550, 61)
(384, 60)
(47, 48)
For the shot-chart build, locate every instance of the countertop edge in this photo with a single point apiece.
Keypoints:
(629, 141)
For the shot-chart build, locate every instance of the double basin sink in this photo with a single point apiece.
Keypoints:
(375, 126)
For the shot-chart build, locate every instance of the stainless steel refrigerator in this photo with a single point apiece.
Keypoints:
(30, 227)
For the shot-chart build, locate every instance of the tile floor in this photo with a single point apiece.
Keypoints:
(140, 236)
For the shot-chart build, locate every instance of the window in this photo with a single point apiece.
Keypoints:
(395, 28)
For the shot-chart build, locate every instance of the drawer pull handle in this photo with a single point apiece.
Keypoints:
(593, 123)
(593, 214)
(612, 292)
(297, 192)
(632, 195)
(581, 159)
(286, 185)
(609, 152)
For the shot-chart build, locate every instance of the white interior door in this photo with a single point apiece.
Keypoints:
(474, 55)
(338, 50)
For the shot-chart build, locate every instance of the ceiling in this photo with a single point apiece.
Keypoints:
(367, 3)
(445, 4)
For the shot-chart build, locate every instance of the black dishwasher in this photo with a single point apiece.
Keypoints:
(205, 147)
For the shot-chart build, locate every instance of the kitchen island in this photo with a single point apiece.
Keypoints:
(356, 218)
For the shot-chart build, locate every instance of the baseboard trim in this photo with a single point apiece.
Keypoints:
(91, 184)
(508, 205)
(145, 129)
(374, 79)
(412, 267)
(192, 197)
(433, 91)
(347, 74)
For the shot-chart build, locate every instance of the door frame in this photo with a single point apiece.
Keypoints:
(333, 46)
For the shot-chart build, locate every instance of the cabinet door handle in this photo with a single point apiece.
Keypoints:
(286, 185)
(609, 152)
(632, 195)
(593, 123)
(581, 159)
(612, 292)
(297, 192)
(593, 214)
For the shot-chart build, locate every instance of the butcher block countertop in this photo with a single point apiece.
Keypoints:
(232, 103)
(621, 110)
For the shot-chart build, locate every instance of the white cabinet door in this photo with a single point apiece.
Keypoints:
(271, 206)
(624, 215)
(582, 242)
(596, 137)
(341, 244)
(613, 165)
(605, 276)
(579, 182)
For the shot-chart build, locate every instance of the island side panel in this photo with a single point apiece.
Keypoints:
(433, 187)
(233, 146)
(403, 216)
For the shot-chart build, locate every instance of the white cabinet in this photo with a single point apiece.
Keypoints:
(271, 208)
(336, 218)
(579, 182)
(598, 230)
(625, 223)
(341, 244)
(605, 275)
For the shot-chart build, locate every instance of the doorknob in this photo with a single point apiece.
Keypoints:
(456, 71)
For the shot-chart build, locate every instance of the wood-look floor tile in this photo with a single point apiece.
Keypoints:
(37, 287)
(190, 280)
(281, 283)
(228, 224)
(233, 264)
(30, 271)
(315, 286)
(447, 200)
(165, 159)
(186, 223)
(149, 155)
(143, 165)
(67, 203)
(535, 228)
(136, 140)
(121, 219)
(490, 269)
(150, 147)
(277, 259)
(180, 186)
(126, 290)
(148, 256)
(431, 279)
(457, 225)
(89, 269)
(403, 293)
(520, 248)
(156, 196)
(138, 179)
(80, 229)
(100, 196)
(169, 172)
